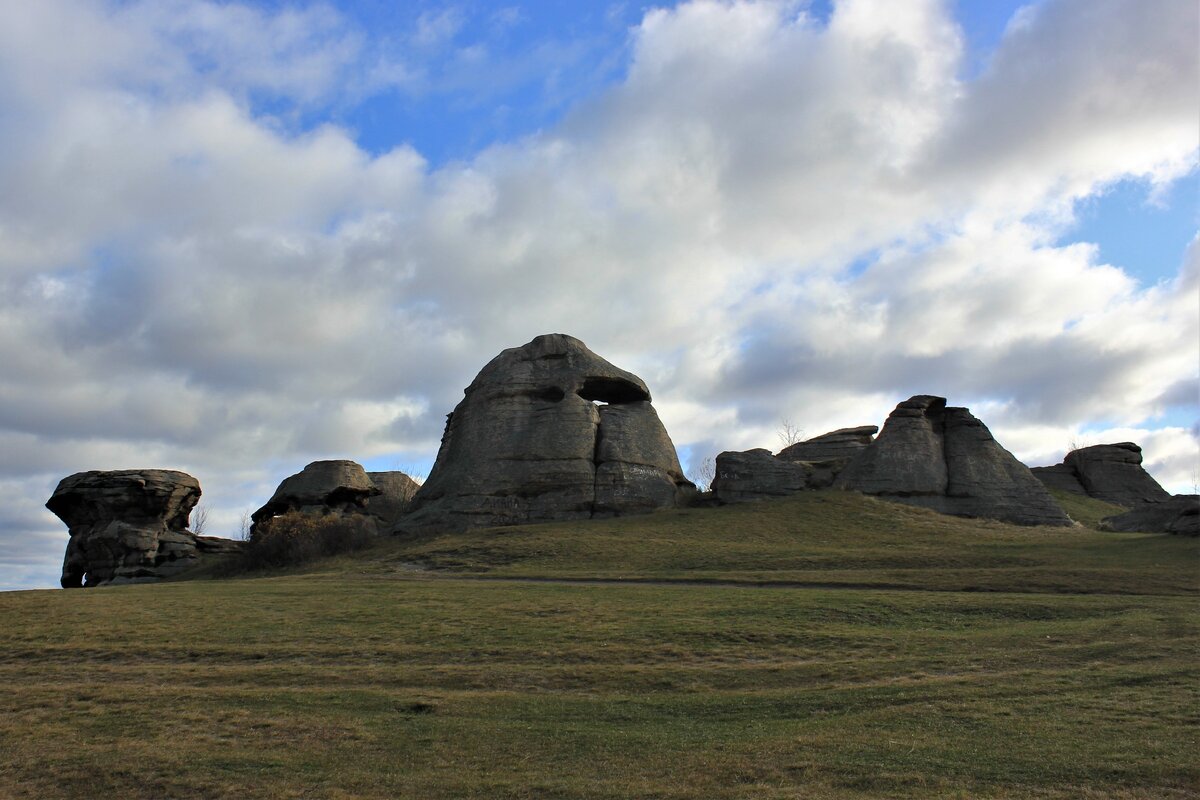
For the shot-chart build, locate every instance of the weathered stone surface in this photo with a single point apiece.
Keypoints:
(549, 431)
(1113, 472)
(1059, 476)
(1178, 514)
(908, 457)
(130, 526)
(947, 460)
(322, 487)
(396, 491)
(756, 474)
(843, 445)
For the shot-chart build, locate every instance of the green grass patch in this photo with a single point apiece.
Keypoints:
(1074, 676)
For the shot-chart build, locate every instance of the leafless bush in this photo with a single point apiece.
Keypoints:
(703, 475)
(199, 521)
(296, 538)
(788, 433)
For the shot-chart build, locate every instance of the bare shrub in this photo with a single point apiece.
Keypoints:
(296, 538)
(703, 475)
(788, 433)
(199, 520)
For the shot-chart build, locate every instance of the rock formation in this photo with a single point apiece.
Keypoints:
(756, 474)
(839, 445)
(343, 488)
(549, 431)
(1178, 514)
(945, 459)
(130, 526)
(396, 491)
(1109, 472)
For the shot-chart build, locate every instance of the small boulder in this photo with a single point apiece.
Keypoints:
(130, 526)
(1178, 514)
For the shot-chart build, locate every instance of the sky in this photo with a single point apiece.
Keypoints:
(238, 237)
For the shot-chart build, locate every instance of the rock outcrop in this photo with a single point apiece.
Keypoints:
(756, 474)
(342, 488)
(811, 464)
(1109, 472)
(130, 526)
(549, 431)
(839, 445)
(945, 459)
(1178, 514)
(396, 491)
(322, 487)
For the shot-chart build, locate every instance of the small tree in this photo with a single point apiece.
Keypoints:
(788, 433)
(703, 475)
(199, 522)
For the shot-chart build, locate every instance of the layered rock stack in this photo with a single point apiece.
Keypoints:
(811, 464)
(945, 459)
(549, 431)
(130, 526)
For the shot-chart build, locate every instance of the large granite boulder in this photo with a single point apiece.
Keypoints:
(130, 526)
(1178, 514)
(549, 431)
(945, 459)
(840, 445)
(337, 487)
(1109, 472)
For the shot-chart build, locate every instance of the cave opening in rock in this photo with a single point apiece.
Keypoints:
(612, 390)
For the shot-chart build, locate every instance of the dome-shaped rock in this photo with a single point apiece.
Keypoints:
(549, 431)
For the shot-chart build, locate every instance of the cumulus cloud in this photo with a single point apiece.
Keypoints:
(767, 217)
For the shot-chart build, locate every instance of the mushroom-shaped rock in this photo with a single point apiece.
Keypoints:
(129, 526)
(549, 431)
(947, 460)
(322, 487)
(1178, 514)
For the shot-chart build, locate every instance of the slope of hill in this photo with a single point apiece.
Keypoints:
(822, 646)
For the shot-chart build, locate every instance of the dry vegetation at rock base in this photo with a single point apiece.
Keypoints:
(892, 653)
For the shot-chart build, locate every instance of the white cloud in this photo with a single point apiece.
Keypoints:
(190, 283)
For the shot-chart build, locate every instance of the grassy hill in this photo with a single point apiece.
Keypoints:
(823, 646)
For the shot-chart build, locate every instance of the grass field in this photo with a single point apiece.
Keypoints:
(824, 646)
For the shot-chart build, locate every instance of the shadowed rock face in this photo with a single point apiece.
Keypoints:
(396, 491)
(811, 464)
(129, 526)
(1178, 514)
(549, 431)
(946, 459)
(756, 474)
(1113, 472)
